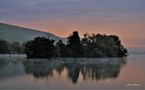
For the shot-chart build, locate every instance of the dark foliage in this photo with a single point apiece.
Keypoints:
(40, 47)
(10, 48)
(60, 49)
(4, 47)
(16, 48)
(74, 45)
(91, 46)
(97, 45)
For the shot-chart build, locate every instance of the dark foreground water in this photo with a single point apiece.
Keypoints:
(18, 72)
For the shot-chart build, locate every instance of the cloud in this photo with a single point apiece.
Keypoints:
(120, 17)
(42, 9)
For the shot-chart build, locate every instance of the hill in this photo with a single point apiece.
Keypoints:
(13, 33)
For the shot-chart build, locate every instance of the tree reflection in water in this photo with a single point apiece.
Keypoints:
(95, 69)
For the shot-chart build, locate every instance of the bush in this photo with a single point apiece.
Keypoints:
(40, 47)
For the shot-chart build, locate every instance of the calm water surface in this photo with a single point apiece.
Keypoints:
(18, 72)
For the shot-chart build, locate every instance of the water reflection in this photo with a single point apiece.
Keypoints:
(10, 67)
(95, 69)
(3, 63)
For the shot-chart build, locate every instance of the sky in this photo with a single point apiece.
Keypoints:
(125, 18)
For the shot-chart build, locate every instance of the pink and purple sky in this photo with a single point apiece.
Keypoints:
(125, 18)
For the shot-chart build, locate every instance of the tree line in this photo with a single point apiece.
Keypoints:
(10, 48)
(90, 46)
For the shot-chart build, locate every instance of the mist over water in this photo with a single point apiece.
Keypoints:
(17, 72)
(137, 50)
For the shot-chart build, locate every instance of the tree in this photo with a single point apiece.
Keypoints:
(91, 46)
(60, 49)
(40, 47)
(16, 48)
(4, 47)
(28, 49)
(74, 46)
(74, 40)
(97, 45)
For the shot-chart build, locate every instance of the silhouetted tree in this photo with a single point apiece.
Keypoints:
(97, 45)
(4, 47)
(74, 45)
(91, 46)
(28, 48)
(60, 49)
(40, 47)
(74, 40)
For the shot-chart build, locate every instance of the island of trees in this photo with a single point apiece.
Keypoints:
(90, 46)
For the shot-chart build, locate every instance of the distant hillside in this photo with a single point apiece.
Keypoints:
(13, 33)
